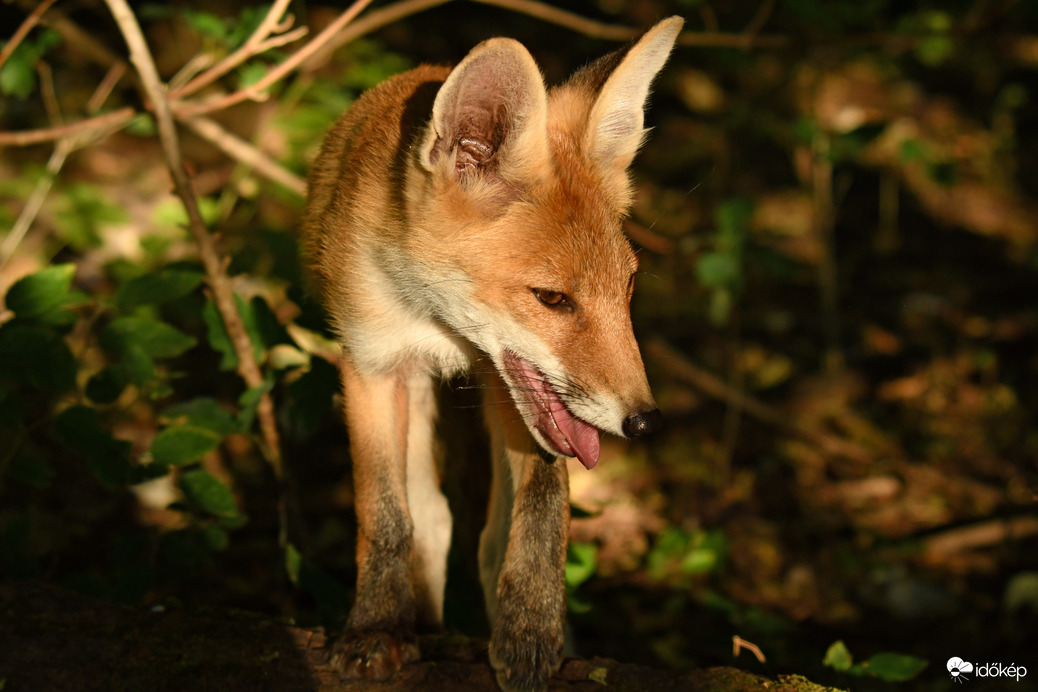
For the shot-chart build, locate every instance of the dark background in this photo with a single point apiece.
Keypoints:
(835, 218)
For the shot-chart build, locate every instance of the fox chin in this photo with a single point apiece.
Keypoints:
(465, 216)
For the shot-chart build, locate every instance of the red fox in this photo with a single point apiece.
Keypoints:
(460, 219)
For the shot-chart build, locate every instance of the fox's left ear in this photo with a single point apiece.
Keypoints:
(616, 126)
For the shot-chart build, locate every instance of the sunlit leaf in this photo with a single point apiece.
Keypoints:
(581, 562)
(838, 657)
(41, 294)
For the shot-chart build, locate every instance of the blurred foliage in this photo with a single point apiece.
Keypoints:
(866, 187)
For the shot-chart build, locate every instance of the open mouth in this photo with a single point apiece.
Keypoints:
(564, 432)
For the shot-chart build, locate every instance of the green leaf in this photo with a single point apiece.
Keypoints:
(733, 217)
(293, 561)
(159, 287)
(79, 429)
(203, 412)
(893, 667)
(209, 493)
(581, 563)
(182, 444)
(911, 150)
(40, 295)
(838, 657)
(206, 24)
(219, 339)
(135, 366)
(17, 77)
(154, 338)
(36, 357)
(248, 402)
(718, 269)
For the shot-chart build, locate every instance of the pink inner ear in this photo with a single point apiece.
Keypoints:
(477, 121)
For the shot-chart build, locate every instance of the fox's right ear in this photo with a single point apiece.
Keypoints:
(491, 111)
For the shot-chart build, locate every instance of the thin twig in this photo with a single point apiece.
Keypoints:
(214, 263)
(23, 30)
(257, 90)
(668, 358)
(738, 644)
(253, 46)
(48, 134)
(246, 153)
(647, 238)
(372, 21)
(828, 288)
(36, 198)
(71, 34)
(104, 89)
(65, 146)
(49, 95)
(760, 18)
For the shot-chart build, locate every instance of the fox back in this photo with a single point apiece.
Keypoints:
(470, 220)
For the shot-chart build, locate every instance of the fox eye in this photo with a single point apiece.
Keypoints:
(553, 299)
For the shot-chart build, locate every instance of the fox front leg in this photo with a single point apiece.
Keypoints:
(380, 631)
(526, 592)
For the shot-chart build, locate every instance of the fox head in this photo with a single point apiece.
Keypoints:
(518, 195)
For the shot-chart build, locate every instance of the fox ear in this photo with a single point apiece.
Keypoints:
(615, 129)
(492, 110)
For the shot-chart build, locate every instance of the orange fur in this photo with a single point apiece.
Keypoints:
(469, 220)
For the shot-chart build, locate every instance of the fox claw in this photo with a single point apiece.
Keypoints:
(372, 655)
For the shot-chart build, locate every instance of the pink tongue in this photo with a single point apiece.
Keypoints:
(567, 433)
(582, 438)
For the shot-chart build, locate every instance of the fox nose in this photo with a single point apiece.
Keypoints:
(639, 424)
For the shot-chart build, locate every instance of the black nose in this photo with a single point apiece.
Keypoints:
(638, 424)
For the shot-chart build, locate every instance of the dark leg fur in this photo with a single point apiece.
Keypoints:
(526, 645)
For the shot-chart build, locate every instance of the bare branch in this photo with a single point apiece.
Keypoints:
(31, 21)
(615, 32)
(239, 149)
(256, 91)
(219, 283)
(115, 119)
(253, 46)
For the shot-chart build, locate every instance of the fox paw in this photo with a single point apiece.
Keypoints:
(523, 662)
(373, 654)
